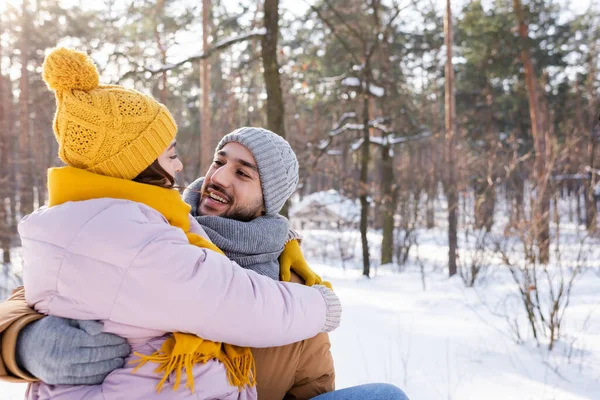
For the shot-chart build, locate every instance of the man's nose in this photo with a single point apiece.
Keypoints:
(221, 177)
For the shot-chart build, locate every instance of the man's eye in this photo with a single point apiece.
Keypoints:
(243, 174)
(218, 163)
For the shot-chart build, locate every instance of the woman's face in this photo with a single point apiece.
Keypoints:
(169, 160)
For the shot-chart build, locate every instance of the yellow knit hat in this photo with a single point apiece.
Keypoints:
(108, 130)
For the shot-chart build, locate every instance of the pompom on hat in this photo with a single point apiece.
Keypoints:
(66, 69)
(108, 130)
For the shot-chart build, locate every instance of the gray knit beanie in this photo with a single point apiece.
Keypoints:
(276, 162)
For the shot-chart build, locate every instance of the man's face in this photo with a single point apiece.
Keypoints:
(231, 186)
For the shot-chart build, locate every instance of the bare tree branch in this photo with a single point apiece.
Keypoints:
(346, 24)
(334, 31)
(222, 45)
(384, 33)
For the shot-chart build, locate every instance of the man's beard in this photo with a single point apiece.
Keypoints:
(238, 213)
(244, 214)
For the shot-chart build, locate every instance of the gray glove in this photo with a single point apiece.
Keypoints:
(333, 312)
(66, 351)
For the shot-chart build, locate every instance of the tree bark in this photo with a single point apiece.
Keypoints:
(432, 189)
(591, 209)
(541, 212)
(26, 173)
(205, 116)
(275, 107)
(364, 188)
(389, 203)
(451, 189)
(389, 185)
(5, 231)
(485, 204)
(162, 49)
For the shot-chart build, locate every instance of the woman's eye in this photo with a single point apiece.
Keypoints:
(174, 156)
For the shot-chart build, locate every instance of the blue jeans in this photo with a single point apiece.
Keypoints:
(371, 391)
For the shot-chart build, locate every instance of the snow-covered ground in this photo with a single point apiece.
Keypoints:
(444, 343)
(438, 339)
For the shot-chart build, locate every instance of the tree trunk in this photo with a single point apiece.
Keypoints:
(485, 204)
(432, 186)
(451, 189)
(389, 185)
(430, 213)
(162, 50)
(364, 185)
(541, 211)
(515, 189)
(591, 209)
(205, 116)
(13, 145)
(275, 107)
(26, 177)
(580, 220)
(389, 202)
(5, 231)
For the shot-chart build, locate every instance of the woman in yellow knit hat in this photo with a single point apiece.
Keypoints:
(117, 244)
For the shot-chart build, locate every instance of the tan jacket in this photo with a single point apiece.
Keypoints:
(298, 371)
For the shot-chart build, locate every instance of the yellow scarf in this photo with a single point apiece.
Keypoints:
(180, 350)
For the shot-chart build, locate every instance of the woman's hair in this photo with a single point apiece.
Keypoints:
(156, 175)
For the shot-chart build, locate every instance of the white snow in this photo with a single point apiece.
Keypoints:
(449, 341)
(565, 177)
(442, 343)
(403, 139)
(373, 89)
(376, 90)
(356, 145)
(323, 144)
(380, 140)
(338, 205)
(379, 124)
(346, 127)
(345, 116)
(351, 81)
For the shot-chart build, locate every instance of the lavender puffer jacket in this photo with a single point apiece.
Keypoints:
(122, 263)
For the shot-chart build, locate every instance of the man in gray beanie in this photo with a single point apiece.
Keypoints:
(270, 167)
(253, 174)
(276, 164)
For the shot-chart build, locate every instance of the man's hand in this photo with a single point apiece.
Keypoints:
(71, 352)
(291, 259)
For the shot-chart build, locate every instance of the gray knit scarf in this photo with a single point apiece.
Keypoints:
(254, 245)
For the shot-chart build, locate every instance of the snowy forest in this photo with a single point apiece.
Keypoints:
(449, 174)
